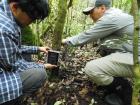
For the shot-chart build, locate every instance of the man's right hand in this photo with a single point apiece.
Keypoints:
(66, 42)
(63, 42)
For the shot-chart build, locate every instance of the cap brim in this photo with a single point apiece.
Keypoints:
(87, 10)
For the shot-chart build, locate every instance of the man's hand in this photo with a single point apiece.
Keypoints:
(44, 49)
(66, 42)
(50, 66)
(63, 42)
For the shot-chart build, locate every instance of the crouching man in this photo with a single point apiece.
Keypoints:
(115, 27)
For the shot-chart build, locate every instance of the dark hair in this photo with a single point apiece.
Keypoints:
(36, 9)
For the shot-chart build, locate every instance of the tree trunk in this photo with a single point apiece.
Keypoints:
(135, 54)
(58, 30)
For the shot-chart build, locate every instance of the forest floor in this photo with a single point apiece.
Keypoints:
(69, 85)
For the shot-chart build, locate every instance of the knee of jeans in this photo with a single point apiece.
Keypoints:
(39, 76)
(33, 79)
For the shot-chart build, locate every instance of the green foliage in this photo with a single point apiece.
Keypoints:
(76, 20)
(28, 36)
(122, 4)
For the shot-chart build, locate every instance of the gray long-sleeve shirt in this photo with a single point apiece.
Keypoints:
(115, 29)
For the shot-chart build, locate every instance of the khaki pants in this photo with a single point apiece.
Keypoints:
(101, 71)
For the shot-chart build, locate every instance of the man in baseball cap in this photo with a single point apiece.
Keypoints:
(111, 26)
(96, 3)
